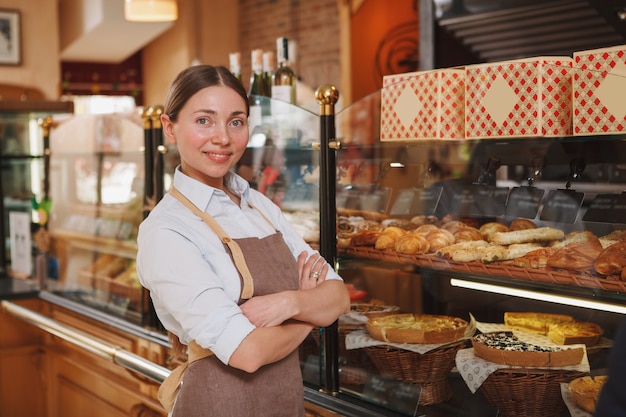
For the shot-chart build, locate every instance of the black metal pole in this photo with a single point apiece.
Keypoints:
(327, 96)
(159, 152)
(148, 145)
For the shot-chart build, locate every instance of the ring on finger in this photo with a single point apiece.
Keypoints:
(315, 274)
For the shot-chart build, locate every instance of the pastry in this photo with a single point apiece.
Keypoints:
(505, 348)
(401, 223)
(467, 233)
(416, 328)
(388, 238)
(370, 226)
(364, 239)
(453, 226)
(577, 256)
(439, 238)
(586, 390)
(537, 258)
(464, 251)
(613, 237)
(495, 253)
(423, 219)
(425, 229)
(488, 229)
(539, 234)
(578, 236)
(612, 260)
(412, 244)
(522, 224)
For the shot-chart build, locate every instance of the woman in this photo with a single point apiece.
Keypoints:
(243, 309)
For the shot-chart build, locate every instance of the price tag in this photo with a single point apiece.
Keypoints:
(479, 200)
(524, 202)
(562, 206)
(607, 208)
(417, 201)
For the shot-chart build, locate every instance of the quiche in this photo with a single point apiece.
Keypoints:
(586, 390)
(560, 328)
(416, 328)
(505, 348)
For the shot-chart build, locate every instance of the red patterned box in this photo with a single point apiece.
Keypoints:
(522, 98)
(423, 105)
(599, 87)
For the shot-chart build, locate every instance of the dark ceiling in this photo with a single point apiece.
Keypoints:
(511, 29)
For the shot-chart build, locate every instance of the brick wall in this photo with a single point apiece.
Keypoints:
(314, 24)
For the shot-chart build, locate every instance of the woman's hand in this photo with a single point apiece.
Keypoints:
(312, 271)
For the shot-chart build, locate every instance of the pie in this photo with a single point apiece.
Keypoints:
(505, 348)
(561, 329)
(416, 328)
(585, 391)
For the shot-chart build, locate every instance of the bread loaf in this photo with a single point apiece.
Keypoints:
(464, 251)
(539, 234)
(465, 234)
(496, 253)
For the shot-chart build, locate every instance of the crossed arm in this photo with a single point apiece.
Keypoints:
(284, 319)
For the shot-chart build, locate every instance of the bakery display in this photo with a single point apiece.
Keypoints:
(586, 390)
(416, 328)
(505, 348)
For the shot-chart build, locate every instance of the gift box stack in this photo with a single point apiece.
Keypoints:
(534, 97)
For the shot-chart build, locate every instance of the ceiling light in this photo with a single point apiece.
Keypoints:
(150, 10)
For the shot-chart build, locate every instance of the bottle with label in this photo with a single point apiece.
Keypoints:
(257, 85)
(269, 66)
(284, 79)
(256, 91)
(234, 59)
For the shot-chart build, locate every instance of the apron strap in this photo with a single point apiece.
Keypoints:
(247, 289)
(171, 385)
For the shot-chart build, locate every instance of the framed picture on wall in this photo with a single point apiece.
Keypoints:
(10, 37)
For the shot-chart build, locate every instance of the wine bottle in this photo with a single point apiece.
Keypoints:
(234, 59)
(256, 91)
(257, 86)
(269, 66)
(284, 79)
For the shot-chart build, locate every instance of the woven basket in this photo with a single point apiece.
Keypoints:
(429, 370)
(527, 392)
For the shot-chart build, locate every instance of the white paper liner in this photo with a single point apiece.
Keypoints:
(574, 410)
(360, 339)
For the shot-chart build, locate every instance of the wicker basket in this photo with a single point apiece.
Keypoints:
(527, 392)
(429, 370)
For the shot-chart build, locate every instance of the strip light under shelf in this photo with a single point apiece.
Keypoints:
(534, 295)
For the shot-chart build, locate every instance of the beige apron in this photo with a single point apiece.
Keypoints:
(212, 388)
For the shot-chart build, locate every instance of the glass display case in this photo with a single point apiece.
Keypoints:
(98, 182)
(23, 177)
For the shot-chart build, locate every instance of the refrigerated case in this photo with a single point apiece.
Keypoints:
(24, 130)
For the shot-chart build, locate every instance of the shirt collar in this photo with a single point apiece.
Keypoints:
(200, 194)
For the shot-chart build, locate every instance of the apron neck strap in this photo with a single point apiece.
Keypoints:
(247, 289)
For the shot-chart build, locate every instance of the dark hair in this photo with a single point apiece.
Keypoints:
(193, 79)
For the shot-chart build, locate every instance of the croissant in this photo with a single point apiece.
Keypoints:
(453, 226)
(425, 229)
(423, 219)
(412, 244)
(439, 238)
(395, 230)
(611, 260)
(577, 256)
(466, 233)
(386, 241)
(365, 239)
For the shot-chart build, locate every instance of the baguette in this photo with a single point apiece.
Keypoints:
(496, 253)
(540, 234)
(464, 251)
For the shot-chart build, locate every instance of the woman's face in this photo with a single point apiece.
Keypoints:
(211, 133)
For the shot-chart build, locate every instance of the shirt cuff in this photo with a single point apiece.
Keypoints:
(239, 327)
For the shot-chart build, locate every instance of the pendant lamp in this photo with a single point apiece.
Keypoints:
(150, 10)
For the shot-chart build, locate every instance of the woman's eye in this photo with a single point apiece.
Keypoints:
(238, 123)
(204, 121)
